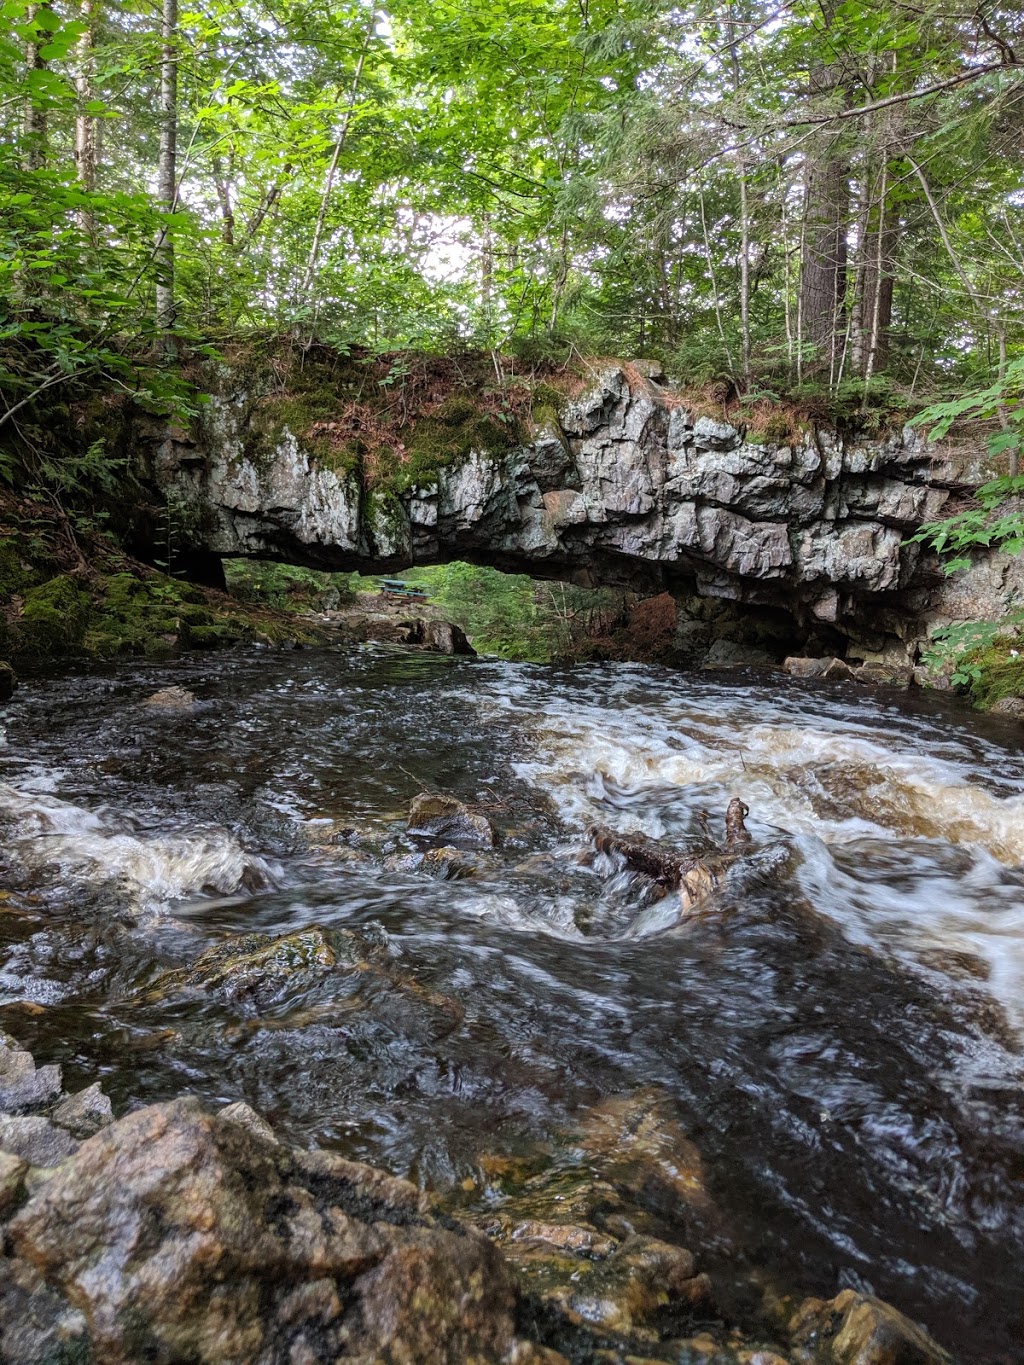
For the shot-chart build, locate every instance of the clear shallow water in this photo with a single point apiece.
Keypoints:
(840, 1032)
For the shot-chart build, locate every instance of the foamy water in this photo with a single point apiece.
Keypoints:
(101, 847)
(904, 846)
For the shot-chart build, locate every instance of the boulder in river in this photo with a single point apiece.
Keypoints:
(84, 1113)
(8, 681)
(172, 699)
(440, 637)
(446, 864)
(258, 969)
(444, 817)
(180, 1235)
(858, 1329)
(22, 1084)
(829, 669)
(1009, 706)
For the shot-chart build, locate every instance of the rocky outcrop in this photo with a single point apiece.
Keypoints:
(626, 487)
(181, 1235)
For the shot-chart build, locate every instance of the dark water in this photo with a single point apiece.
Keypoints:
(839, 1033)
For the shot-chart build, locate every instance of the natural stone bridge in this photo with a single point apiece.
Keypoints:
(630, 489)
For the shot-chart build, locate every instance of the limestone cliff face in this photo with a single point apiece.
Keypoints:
(630, 489)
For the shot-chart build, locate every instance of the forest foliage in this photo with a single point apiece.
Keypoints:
(811, 194)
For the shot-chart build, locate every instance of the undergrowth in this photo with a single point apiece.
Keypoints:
(984, 657)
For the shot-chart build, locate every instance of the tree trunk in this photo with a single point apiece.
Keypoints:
(167, 170)
(487, 277)
(823, 265)
(339, 147)
(878, 236)
(879, 257)
(737, 83)
(826, 223)
(34, 122)
(86, 151)
(222, 183)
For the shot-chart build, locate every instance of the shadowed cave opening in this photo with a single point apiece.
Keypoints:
(519, 617)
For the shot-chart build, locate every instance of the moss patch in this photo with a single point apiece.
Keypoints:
(312, 418)
(1000, 671)
(449, 437)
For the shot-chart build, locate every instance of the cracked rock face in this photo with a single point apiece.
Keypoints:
(632, 490)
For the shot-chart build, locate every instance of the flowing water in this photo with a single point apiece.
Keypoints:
(839, 1028)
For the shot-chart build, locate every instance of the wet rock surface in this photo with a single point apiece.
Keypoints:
(858, 1329)
(182, 1236)
(177, 1234)
(8, 682)
(444, 817)
(442, 637)
(23, 1085)
(828, 1091)
(172, 699)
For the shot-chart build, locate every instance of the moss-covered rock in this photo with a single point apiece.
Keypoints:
(449, 437)
(255, 968)
(54, 618)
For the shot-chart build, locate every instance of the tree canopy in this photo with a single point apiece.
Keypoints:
(777, 194)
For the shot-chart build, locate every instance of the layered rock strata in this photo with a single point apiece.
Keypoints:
(626, 487)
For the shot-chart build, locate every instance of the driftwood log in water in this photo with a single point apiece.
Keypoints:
(735, 830)
(694, 876)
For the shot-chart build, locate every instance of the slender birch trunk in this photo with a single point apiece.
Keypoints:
(339, 147)
(167, 170)
(34, 117)
(86, 146)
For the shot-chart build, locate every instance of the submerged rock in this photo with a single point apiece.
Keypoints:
(446, 864)
(444, 817)
(631, 1291)
(256, 968)
(182, 1236)
(172, 699)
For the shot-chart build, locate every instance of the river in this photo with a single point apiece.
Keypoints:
(838, 1030)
